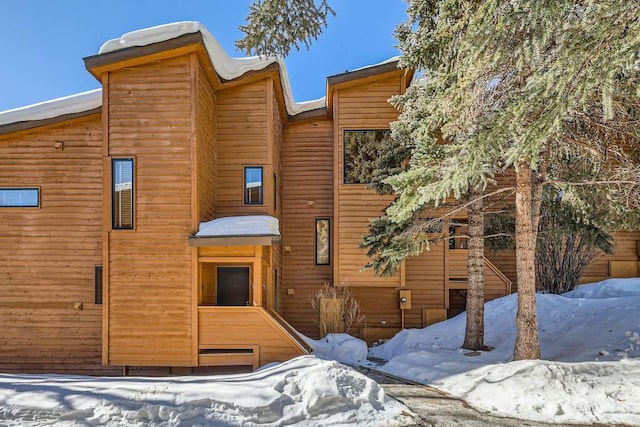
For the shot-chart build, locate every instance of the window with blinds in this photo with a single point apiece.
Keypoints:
(123, 192)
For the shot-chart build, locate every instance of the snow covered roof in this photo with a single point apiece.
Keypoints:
(72, 104)
(247, 229)
(227, 67)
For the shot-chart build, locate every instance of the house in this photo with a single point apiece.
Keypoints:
(180, 217)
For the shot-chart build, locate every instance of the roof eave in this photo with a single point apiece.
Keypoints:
(256, 240)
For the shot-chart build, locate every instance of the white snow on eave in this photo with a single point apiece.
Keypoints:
(76, 103)
(226, 66)
(240, 226)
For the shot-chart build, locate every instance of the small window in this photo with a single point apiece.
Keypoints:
(253, 185)
(323, 242)
(98, 284)
(19, 197)
(123, 194)
(361, 152)
(275, 192)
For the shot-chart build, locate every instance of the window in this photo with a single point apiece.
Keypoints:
(253, 185)
(19, 197)
(98, 284)
(361, 151)
(122, 208)
(323, 242)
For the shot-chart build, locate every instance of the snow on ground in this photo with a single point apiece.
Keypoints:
(303, 391)
(589, 338)
(341, 347)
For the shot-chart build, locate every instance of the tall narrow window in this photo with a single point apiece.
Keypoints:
(323, 242)
(122, 193)
(98, 284)
(19, 197)
(253, 185)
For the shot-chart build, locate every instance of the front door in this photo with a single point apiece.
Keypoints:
(233, 286)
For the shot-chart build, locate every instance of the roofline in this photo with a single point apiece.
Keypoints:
(30, 124)
(364, 72)
(308, 115)
(51, 111)
(186, 36)
(131, 52)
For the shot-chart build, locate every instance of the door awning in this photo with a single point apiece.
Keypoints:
(248, 230)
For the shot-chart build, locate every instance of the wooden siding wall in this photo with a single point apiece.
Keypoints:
(364, 107)
(219, 327)
(206, 147)
(425, 277)
(48, 254)
(359, 107)
(242, 133)
(307, 177)
(276, 155)
(150, 288)
(627, 249)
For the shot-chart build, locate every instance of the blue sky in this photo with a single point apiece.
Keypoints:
(42, 42)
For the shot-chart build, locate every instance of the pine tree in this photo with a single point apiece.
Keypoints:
(274, 26)
(508, 84)
(528, 81)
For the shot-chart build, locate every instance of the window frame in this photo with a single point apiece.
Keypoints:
(245, 196)
(328, 245)
(97, 284)
(114, 193)
(22, 206)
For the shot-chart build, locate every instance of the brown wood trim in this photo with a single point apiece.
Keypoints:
(337, 179)
(290, 330)
(106, 218)
(244, 260)
(257, 278)
(268, 171)
(267, 240)
(195, 205)
(297, 343)
(30, 124)
(95, 63)
(362, 73)
(309, 115)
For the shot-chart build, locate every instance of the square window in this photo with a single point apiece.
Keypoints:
(253, 185)
(361, 152)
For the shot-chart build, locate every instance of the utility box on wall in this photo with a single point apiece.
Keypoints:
(405, 299)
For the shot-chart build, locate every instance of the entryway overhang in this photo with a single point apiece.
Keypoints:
(248, 230)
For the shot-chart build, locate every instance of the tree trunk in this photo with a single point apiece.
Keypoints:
(527, 342)
(474, 332)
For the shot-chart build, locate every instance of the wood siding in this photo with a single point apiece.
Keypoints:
(242, 132)
(307, 177)
(205, 147)
(219, 329)
(48, 254)
(149, 268)
(627, 250)
(359, 107)
(425, 277)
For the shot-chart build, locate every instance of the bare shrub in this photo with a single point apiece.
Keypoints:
(336, 310)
